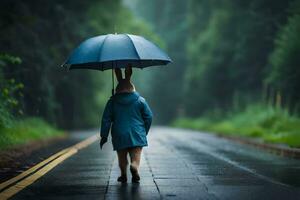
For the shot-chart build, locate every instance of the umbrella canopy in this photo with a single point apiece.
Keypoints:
(116, 51)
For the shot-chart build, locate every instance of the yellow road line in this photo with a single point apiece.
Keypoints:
(29, 171)
(52, 162)
(30, 179)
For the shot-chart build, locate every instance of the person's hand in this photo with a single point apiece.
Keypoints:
(103, 141)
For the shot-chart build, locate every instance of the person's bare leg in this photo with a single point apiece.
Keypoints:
(135, 158)
(123, 162)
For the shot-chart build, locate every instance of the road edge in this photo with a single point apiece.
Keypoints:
(14, 185)
(15, 152)
(272, 148)
(277, 149)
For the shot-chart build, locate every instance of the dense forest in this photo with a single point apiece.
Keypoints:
(36, 37)
(226, 54)
(236, 66)
(228, 57)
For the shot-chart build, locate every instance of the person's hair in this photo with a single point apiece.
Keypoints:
(125, 86)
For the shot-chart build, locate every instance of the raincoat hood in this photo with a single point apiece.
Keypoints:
(126, 98)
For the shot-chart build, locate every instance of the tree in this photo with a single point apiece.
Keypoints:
(284, 72)
(43, 34)
(168, 19)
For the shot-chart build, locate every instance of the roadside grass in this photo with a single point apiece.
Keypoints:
(271, 124)
(26, 130)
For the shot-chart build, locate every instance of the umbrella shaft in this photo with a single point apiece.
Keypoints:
(113, 82)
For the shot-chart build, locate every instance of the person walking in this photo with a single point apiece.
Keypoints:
(129, 117)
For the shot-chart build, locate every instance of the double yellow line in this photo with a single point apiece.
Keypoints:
(26, 178)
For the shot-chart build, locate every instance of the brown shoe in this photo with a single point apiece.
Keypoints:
(135, 175)
(122, 179)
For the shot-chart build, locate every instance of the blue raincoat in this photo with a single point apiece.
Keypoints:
(129, 117)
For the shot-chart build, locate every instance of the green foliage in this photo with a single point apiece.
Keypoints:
(284, 60)
(228, 53)
(164, 85)
(265, 122)
(5, 117)
(10, 91)
(209, 54)
(43, 34)
(26, 130)
(6, 59)
(220, 50)
(12, 130)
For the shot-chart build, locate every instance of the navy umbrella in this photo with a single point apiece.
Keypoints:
(116, 51)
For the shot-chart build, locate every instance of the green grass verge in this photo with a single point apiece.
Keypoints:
(26, 130)
(265, 122)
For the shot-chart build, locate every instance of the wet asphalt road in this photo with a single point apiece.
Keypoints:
(178, 164)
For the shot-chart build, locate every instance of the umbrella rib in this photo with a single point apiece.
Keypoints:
(133, 46)
(100, 51)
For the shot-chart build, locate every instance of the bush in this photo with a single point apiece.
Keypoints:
(271, 124)
(26, 130)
